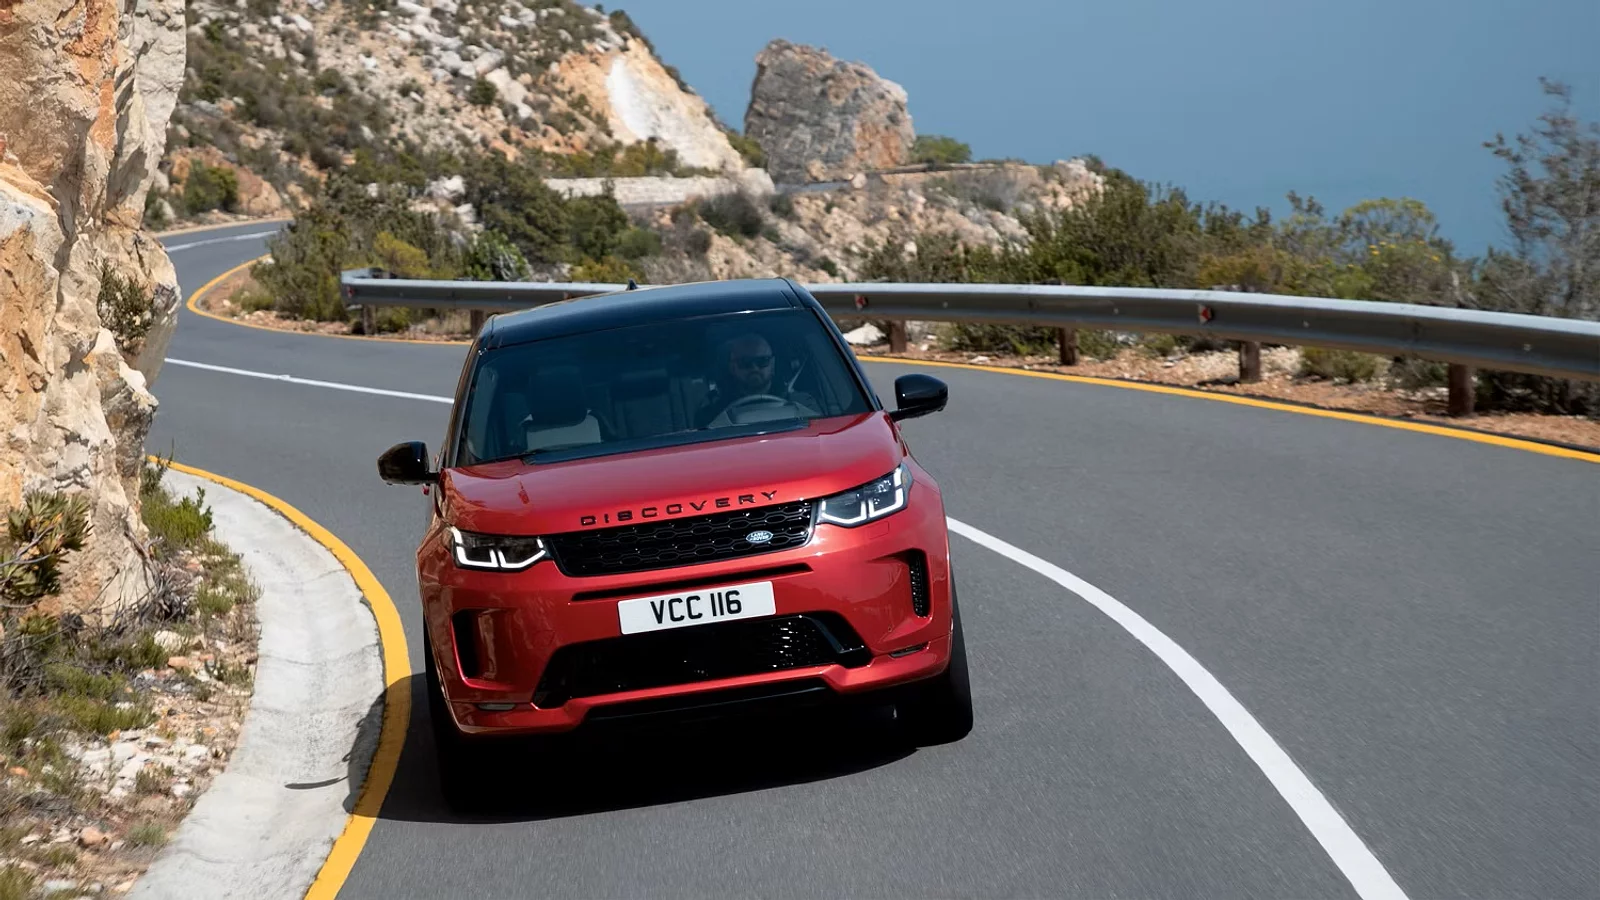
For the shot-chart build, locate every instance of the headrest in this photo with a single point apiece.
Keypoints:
(556, 399)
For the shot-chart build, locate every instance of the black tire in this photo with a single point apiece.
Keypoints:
(463, 764)
(939, 710)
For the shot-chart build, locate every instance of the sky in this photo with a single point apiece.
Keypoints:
(1237, 101)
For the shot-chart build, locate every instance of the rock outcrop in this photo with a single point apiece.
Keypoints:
(640, 101)
(82, 128)
(818, 118)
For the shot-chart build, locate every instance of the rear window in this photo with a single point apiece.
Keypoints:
(655, 385)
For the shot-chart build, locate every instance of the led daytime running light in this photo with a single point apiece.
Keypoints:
(873, 500)
(496, 555)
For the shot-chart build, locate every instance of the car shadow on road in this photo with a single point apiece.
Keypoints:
(604, 771)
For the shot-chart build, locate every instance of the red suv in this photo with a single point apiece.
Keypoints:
(682, 499)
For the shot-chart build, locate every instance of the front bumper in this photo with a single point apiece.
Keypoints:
(494, 634)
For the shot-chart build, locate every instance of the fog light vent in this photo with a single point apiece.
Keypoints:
(465, 626)
(917, 561)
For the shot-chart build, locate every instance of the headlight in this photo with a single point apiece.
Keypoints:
(493, 551)
(872, 500)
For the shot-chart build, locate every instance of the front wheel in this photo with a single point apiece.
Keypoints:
(939, 710)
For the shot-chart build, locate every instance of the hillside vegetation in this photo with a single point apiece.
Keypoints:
(423, 139)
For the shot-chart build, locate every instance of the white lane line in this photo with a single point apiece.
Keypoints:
(332, 385)
(1368, 876)
(174, 248)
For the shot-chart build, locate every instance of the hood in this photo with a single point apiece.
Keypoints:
(827, 456)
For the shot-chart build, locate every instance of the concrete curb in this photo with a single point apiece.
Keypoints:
(266, 824)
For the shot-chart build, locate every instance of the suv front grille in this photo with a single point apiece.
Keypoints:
(664, 543)
(698, 653)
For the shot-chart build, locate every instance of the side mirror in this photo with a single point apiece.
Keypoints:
(406, 463)
(917, 395)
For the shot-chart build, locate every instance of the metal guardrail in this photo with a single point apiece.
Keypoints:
(1539, 345)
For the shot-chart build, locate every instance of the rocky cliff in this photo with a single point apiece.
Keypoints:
(282, 94)
(85, 89)
(818, 118)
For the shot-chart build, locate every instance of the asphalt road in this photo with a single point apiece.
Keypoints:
(1415, 620)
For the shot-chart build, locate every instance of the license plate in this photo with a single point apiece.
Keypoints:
(698, 607)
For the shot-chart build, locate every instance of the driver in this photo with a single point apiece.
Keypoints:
(746, 370)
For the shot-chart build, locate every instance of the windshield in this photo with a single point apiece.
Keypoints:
(655, 385)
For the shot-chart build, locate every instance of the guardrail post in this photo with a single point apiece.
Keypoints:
(369, 319)
(1249, 362)
(1461, 390)
(477, 317)
(1067, 343)
(897, 337)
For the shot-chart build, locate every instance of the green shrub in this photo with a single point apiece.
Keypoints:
(132, 653)
(399, 258)
(1097, 344)
(638, 243)
(698, 242)
(152, 780)
(782, 205)
(828, 265)
(1159, 346)
(210, 187)
(512, 199)
(1018, 340)
(39, 535)
(732, 214)
(176, 524)
(99, 717)
(339, 231)
(483, 93)
(15, 883)
(1410, 373)
(596, 225)
(252, 299)
(940, 150)
(607, 270)
(147, 834)
(126, 308)
(76, 681)
(493, 258)
(1339, 365)
(748, 148)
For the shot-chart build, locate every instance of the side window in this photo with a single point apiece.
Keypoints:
(479, 408)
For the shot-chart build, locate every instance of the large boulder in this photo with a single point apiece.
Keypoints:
(81, 131)
(819, 119)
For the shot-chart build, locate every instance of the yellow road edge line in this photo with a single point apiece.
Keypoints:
(1341, 415)
(396, 695)
(193, 305)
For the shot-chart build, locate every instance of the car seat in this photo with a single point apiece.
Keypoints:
(559, 413)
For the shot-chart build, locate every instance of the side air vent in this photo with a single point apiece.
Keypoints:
(464, 625)
(917, 562)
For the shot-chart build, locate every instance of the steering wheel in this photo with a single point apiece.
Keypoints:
(747, 401)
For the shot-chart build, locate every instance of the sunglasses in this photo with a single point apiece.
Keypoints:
(753, 362)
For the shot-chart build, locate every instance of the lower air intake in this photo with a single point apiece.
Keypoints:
(699, 653)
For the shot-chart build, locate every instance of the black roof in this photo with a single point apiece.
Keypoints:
(642, 306)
